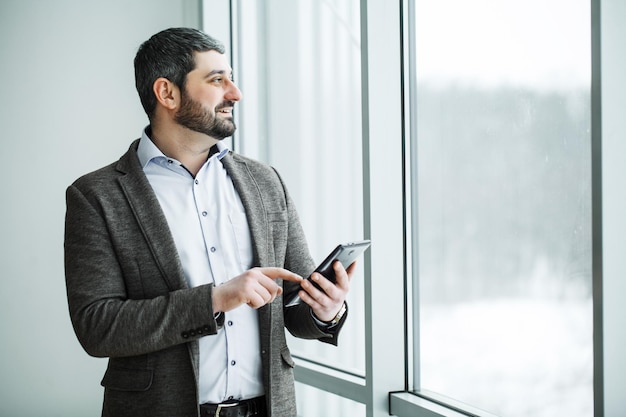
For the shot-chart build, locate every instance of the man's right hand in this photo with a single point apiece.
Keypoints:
(255, 287)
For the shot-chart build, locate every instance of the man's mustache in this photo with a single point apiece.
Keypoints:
(225, 104)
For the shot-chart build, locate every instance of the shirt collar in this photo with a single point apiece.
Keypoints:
(147, 150)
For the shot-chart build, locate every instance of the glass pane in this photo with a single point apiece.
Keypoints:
(312, 402)
(504, 205)
(310, 106)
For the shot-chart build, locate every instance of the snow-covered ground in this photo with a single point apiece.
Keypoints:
(511, 357)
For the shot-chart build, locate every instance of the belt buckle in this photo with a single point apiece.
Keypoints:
(220, 406)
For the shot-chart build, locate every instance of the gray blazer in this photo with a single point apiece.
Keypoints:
(129, 301)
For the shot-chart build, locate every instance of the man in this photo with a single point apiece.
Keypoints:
(178, 255)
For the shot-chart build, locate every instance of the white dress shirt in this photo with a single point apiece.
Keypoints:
(209, 226)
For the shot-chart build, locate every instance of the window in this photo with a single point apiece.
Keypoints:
(494, 216)
(501, 182)
(311, 106)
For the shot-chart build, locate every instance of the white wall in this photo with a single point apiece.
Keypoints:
(68, 106)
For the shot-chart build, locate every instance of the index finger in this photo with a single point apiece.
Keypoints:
(275, 273)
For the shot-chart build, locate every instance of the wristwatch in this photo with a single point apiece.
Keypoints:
(338, 317)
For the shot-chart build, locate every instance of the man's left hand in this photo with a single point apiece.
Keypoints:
(327, 303)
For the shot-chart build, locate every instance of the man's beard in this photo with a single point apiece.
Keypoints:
(194, 117)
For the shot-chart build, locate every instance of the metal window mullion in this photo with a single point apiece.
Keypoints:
(411, 139)
(381, 81)
(596, 211)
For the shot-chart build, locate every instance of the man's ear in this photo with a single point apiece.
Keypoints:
(166, 93)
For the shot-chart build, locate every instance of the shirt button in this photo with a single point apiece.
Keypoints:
(233, 363)
(204, 213)
(196, 181)
(169, 161)
(230, 322)
(213, 249)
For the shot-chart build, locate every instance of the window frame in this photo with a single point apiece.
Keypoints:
(425, 404)
(382, 118)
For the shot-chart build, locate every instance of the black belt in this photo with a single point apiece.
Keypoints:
(243, 408)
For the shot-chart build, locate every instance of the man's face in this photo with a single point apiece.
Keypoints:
(209, 96)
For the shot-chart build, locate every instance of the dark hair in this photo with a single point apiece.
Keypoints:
(169, 54)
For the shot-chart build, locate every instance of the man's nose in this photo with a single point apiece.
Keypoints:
(232, 92)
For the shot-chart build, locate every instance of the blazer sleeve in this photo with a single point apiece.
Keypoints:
(119, 302)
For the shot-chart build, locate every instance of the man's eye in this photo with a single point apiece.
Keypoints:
(220, 80)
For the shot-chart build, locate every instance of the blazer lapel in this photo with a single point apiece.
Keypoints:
(147, 210)
(248, 190)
